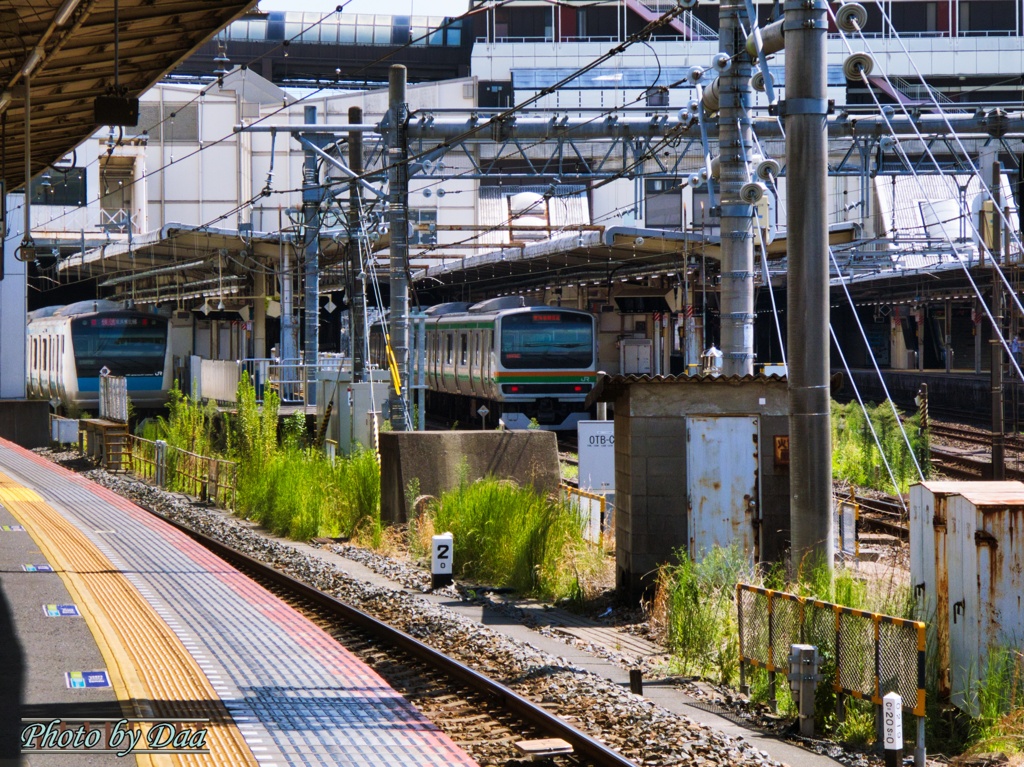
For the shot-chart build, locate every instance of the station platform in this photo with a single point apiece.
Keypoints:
(110, 615)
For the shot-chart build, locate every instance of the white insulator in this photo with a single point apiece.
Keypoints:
(722, 62)
(851, 17)
(716, 168)
(696, 74)
(695, 182)
(693, 107)
(710, 95)
(757, 82)
(427, 193)
(428, 166)
(887, 143)
(753, 191)
(858, 65)
(686, 4)
(768, 169)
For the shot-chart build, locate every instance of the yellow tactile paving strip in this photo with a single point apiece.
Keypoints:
(151, 672)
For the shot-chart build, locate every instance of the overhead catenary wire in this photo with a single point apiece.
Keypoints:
(997, 330)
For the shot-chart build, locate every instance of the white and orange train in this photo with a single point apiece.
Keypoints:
(522, 362)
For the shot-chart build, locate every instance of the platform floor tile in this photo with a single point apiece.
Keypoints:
(280, 674)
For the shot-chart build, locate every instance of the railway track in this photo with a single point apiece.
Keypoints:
(953, 433)
(483, 716)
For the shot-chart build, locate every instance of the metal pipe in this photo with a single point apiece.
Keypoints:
(398, 215)
(356, 285)
(810, 466)
(736, 143)
(428, 126)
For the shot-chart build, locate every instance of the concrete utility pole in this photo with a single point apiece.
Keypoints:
(736, 146)
(356, 284)
(398, 216)
(312, 194)
(998, 436)
(810, 441)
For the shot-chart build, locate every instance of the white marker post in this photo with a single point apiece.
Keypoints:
(892, 728)
(441, 560)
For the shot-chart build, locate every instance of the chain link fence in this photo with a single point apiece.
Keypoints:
(874, 654)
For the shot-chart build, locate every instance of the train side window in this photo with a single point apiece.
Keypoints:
(35, 353)
(463, 348)
(451, 349)
(44, 354)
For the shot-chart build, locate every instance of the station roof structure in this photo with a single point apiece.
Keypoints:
(67, 50)
(586, 256)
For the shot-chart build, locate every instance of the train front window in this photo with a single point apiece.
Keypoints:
(125, 345)
(547, 339)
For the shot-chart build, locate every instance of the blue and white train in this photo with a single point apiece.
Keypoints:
(69, 346)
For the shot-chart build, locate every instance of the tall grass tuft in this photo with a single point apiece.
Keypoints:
(696, 605)
(513, 536)
(856, 457)
(1000, 724)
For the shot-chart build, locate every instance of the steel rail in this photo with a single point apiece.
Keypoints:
(582, 744)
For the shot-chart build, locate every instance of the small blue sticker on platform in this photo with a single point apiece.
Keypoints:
(83, 679)
(61, 611)
(37, 568)
(12, 528)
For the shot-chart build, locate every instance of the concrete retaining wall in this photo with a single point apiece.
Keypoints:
(439, 459)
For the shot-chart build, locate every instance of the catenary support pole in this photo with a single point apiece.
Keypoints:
(398, 215)
(312, 193)
(356, 283)
(806, 108)
(736, 142)
(998, 436)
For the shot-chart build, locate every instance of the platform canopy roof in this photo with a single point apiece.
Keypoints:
(67, 50)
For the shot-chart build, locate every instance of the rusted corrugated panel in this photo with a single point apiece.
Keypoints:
(937, 564)
(985, 567)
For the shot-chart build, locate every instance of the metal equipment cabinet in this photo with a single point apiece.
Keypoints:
(967, 570)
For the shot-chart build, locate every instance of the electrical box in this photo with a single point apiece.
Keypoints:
(348, 424)
(635, 356)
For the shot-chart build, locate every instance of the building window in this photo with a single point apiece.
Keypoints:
(116, 180)
(177, 123)
(663, 201)
(59, 187)
(422, 218)
(702, 214)
(987, 16)
(656, 96)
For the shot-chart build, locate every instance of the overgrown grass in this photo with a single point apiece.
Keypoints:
(301, 494)
(855, 454)
(512, 536)
(1000, 724)
(696, 604)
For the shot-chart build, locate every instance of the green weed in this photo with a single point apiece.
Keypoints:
(514, 536)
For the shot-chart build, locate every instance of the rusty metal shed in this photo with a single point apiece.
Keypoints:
(699, 462)
(967, 569)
